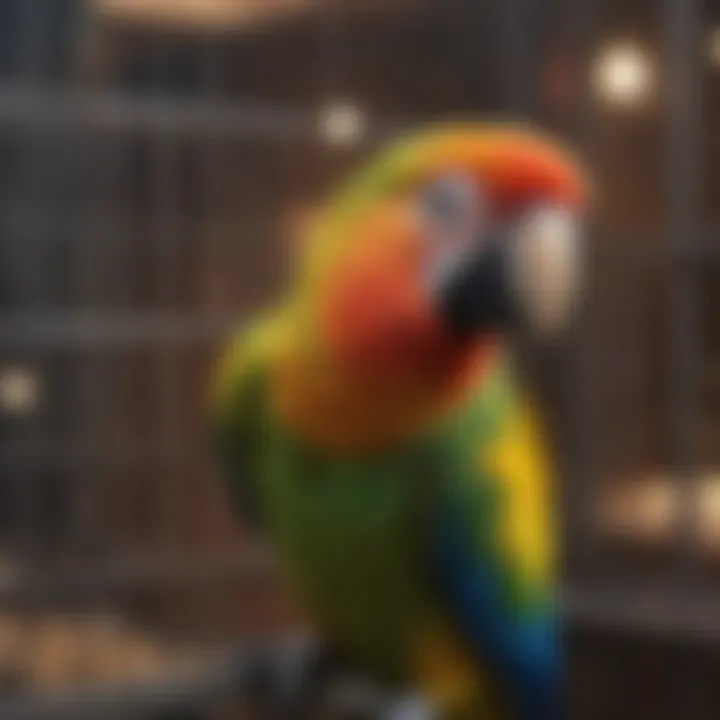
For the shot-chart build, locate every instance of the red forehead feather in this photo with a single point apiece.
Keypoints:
(516, 168)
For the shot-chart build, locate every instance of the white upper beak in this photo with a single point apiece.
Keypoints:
(546, 268)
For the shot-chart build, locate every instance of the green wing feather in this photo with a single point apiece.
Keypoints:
(238, 407)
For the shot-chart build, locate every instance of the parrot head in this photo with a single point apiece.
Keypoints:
(456, 238)
(438, 250)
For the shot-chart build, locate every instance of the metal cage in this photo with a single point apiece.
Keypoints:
(152, 157)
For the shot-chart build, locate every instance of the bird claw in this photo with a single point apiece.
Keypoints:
(297, 669)
(411, 707)
(291, 681)
(303, 677)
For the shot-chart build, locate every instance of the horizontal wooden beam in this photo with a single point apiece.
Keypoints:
(230, 15)
(201, 14)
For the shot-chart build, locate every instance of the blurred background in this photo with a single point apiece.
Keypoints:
(155, 157)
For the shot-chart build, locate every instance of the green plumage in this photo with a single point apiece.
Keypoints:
(354, 534)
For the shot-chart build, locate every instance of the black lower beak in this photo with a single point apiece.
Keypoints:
(477, 298)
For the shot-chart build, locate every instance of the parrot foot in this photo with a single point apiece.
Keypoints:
(302, 669)
(280, 682)
(304, 680)
(351, 698)
(299, 664)
(411, 707)
(301, 676)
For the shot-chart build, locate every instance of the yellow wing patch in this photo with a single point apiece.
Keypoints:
(518, 459)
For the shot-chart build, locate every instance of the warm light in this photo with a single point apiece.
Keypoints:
(342, 124)
(714, 48)
(19, 391)
(199, 14)
(623, 75)
(656, 509)
(650, 509)
(644, 510)
(708, 511)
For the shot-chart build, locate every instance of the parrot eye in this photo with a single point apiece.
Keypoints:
(451, 206)
(451, 212)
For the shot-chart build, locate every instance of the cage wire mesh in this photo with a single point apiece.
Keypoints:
(154, 156)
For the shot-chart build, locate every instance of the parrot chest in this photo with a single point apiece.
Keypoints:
(350, 536)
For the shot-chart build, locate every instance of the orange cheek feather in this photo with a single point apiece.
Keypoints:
(379, 323)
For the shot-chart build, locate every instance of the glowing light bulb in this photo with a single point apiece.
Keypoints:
(623, 75)
(342, 124)
(20, 391)
(713, 48)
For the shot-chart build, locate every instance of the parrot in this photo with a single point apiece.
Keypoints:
(373, 422)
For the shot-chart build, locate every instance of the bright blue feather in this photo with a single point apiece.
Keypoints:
(522, 649)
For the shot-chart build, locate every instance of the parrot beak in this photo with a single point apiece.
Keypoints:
(523, 276)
